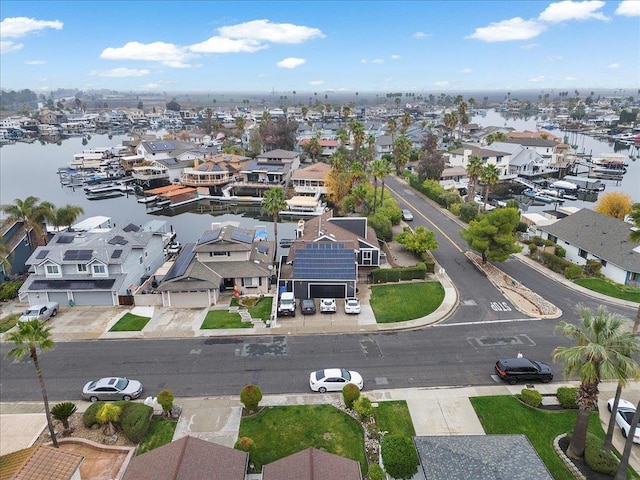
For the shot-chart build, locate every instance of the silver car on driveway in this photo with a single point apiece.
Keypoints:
(112, 388)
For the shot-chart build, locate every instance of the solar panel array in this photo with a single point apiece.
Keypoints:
(118, 240)
(42, 254)
(78, 255)
(116, 253)
(242, 236)
(65, 239)
(263, 248)
(209, 236)
(325, 261)
(182, 262)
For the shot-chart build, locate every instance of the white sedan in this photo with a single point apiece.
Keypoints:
(328, 305)
(624, 416)
(333, 379)
(351, 305)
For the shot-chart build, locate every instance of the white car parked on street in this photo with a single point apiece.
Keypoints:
(333, 379)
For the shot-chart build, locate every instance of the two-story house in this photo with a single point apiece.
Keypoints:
(269, 169)
(223, 258)
(94, 267)
(460, 157)
(215, 172)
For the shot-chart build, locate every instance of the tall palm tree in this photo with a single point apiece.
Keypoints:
(273, 202)
(406, 122)
(385, 169)
(5, 259)
(401, 153)
(32, 213)
(376, 169)
(490, 176)
(603, 351)
(30, 337)
(634, 236)
(392, 126)
(65, 216)
(474, 170)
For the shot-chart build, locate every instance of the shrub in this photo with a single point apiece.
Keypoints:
(554, 262)
(62, 412)
(468, 212)
(350, 393)
(108, 415)
(364, 408)
(376, 472)
(560, 251)
(537, 241)
(572, 272)
(382, 226)
(246, 445)
(89, 416)
(599, 460)
(399, 456)
(533, 398)
(136, 420)
(165, 399)
(250, 397)
(9, 290)
(592, 268)
(522, 227)
(567, 397)
(532, 248)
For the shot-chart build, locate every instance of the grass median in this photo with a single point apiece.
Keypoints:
(405, 301)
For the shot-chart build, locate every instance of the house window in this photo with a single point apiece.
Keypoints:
(251, 282)
(140, 259)
(53, 271)
(583, 253)
(82, 268)
(219, 254)
(99, 270)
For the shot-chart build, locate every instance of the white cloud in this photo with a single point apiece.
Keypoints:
(571, 79)
(8, 47)
(16, 27)
(538, 79)
(614, 66)
(165, 53)
(264, 30)
(466, 71)
(507, 30)
(629, 8)
(570, 10)
(377, 60)
(395, 57)
(529, 46)
(316, 82)
(421, 35)
(122, 72)
(291, 62)
(441, 83)
(555, 58)
(364, 60)
(34, 62)
(227, 45)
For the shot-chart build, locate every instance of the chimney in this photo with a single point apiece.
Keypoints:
(300, 229)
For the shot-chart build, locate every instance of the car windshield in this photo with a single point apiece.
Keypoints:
(345, 374)
(91, 386)
(32, 312)
(353, 301)
(122, 383)
(320, 375)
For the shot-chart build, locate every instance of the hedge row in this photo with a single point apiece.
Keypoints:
(384, 275)
(134, 419)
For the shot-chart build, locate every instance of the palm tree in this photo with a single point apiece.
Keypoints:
(392, 126)
(490, 176)
(62, 412)
(474, 170)
(401, 153)
(274, 201)
(32, 214)
(385, 169)
(65, 216)
(5, 259)
(28, 339)
(603, 351)
(634, 236)
(376, 168)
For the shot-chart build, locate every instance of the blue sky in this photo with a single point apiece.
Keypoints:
(319, 46)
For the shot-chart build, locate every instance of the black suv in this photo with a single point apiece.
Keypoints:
(513, 370)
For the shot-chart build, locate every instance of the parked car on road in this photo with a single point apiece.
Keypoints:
(112, 388)
(308, 306)
(407, 216)
(513, 370)
(351, 305)
(624, 417)
(328, 305)
(40, 312)
(333, 379)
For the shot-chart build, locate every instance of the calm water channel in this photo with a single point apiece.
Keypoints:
(30, 169)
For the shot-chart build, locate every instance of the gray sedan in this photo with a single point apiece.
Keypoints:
(112, 388)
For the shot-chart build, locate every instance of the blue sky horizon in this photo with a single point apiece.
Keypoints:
(323, 46)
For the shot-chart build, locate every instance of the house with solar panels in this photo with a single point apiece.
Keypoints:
(89, 265)
(223, 258)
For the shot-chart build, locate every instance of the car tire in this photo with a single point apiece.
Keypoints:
(93, 399)
(512, 381)
(608, 407)
(54, 313)
(547, 379)
(624, 433)
(322, 390)
(127, 398)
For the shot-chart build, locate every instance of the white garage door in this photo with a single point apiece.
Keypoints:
(189, 299)
(93, 298)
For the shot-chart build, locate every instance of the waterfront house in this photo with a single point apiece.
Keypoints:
(89, 265)
(589, 235)
(13, 234)
(269, 169)
(310, 179)
(524, 162)
(329, 145)
(224, 257)
(215, 172)
(460, 157)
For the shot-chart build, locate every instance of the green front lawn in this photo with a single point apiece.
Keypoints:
(8, 322)
(262, 309)
(611, 289)
(160, 433)
(405, 301)
(394, 417)
(223, 319)
(130, 323)
(506, 415)
(281, 431)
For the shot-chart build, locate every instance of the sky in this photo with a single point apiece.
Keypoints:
(319, 46)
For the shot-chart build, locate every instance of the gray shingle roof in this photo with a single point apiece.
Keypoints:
(600, 235)
(489, 457)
